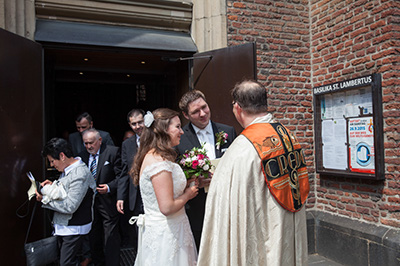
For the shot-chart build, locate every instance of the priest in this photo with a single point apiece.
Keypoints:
(255, 212)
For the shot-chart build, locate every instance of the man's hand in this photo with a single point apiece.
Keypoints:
(102, 189)
(120, 206)
(204, 182)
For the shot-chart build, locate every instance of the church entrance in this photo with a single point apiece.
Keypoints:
(107, 70)
(46, 83)
(107, 83)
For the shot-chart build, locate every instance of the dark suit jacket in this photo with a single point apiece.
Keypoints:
(108, 172)
(77, 143)
(195, 207)
(126, 188)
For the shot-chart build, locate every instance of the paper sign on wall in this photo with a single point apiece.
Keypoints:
(361, 140)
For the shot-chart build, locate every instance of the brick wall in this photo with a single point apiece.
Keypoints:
(304, 44)
(281, 32)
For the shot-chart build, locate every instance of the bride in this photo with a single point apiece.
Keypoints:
(165, 237)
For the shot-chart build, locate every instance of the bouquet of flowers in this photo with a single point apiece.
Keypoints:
(220, 139)
(195, 163)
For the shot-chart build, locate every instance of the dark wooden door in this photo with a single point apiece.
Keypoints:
(21, 140)
(216, 72)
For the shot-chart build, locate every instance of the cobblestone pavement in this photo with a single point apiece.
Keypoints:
(317, 260)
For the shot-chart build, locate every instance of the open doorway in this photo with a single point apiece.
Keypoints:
(108, 83)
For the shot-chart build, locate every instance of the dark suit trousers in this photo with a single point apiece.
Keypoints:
(69, 248)
(195, 209)
(129, 235)
(105, 239)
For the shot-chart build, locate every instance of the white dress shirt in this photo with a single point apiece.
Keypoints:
(137, 140)
(206, 136)
(97, 158)
(97, 163)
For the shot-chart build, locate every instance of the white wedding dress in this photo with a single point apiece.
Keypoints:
(164, 240)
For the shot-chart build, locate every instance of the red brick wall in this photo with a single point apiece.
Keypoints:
(305, 44)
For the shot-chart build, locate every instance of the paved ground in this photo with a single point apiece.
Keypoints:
(128, 258)
(317, 260)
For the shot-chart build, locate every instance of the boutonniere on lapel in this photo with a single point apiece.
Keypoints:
(220, 139)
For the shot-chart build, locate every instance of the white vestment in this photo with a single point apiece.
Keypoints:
(244, 224)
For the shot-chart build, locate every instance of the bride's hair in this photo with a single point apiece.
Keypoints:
(155, 137)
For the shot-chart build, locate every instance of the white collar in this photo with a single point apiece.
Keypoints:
(208, 129)
(72, 166)
(97, 153)
(263, 119)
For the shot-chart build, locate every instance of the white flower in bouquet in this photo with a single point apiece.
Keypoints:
(201, 163)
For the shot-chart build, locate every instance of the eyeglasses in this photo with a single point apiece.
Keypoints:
(233, 103)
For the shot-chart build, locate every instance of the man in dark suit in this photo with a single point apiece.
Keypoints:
(128, 194)
(201, 130)
(84, 121)
(104, 162)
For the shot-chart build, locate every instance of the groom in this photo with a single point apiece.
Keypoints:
(200, 130)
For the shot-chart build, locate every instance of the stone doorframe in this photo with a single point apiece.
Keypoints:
(204, 19)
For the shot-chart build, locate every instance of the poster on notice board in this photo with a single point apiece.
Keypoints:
(361, 140)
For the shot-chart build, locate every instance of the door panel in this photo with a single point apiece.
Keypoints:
(216, 72)
(21, 140)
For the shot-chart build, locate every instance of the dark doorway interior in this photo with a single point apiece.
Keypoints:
(107, 83)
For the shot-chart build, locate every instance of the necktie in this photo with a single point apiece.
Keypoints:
(204, 138)
(93, 167)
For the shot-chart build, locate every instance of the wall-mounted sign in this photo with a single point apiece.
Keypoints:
(348, 128)
(361, 148)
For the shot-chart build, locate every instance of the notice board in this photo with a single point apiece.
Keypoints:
(349, 128)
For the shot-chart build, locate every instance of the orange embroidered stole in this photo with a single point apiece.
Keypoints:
(282, 163)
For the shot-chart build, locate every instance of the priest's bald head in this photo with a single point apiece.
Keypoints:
(249, 101)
